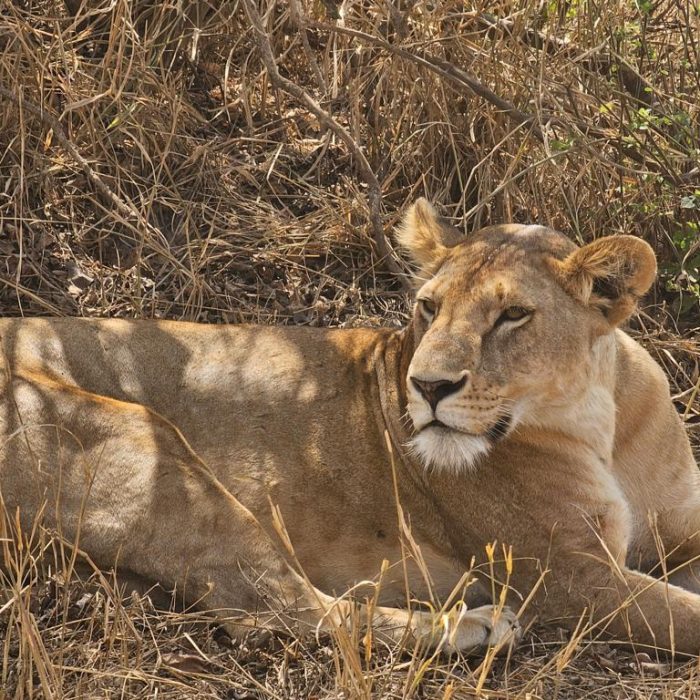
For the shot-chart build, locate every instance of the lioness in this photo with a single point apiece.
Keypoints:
(511, 409)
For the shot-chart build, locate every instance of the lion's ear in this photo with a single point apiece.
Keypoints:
(425, 236)
(609, 273)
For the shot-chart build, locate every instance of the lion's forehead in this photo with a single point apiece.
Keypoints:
(512, 243)
(501, 263)
(533, 239)
(503, 277)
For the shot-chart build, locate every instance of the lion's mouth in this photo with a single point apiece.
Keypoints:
(437, 424)
(494, 434)
(500, 428)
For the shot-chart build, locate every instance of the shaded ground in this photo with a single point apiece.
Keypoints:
(96, 645)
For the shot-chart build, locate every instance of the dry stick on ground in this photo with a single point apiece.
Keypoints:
(374, 194)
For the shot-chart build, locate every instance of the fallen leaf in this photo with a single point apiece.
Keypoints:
(185, 663)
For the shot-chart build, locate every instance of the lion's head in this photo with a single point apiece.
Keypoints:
(508, 323)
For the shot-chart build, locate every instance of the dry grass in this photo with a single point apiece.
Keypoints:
(154, 163)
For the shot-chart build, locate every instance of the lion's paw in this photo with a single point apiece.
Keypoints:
(470, 631)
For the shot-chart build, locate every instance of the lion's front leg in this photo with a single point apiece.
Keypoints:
(675, 540)
(591, 584)
(652, 612)
(632, 607)
(236, 568)
(669, 546)
(233, 568)
(458, 629)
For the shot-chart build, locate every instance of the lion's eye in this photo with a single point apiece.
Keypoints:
(427, 307)
(514, 313)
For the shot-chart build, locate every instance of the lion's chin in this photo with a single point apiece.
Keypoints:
(449, 450)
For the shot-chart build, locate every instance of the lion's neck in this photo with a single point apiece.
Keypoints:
(392, 368)
(585, 413)
(394, 357)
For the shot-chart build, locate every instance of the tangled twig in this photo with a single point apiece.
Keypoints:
(127, 210)
(446, 70)
(374, 190)
(464, 79)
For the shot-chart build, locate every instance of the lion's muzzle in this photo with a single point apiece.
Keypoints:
(433, 391)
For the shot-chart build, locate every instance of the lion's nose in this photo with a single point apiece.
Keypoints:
(435, 391)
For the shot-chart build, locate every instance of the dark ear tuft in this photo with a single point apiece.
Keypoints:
(610, 273)
(606, 288)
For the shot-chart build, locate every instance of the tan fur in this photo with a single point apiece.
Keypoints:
(160, 447)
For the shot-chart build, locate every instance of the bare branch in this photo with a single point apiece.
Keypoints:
(374, 193)
(464, 79)
(298, 16)
(126, 209)
(593, 59)
(446, 70)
